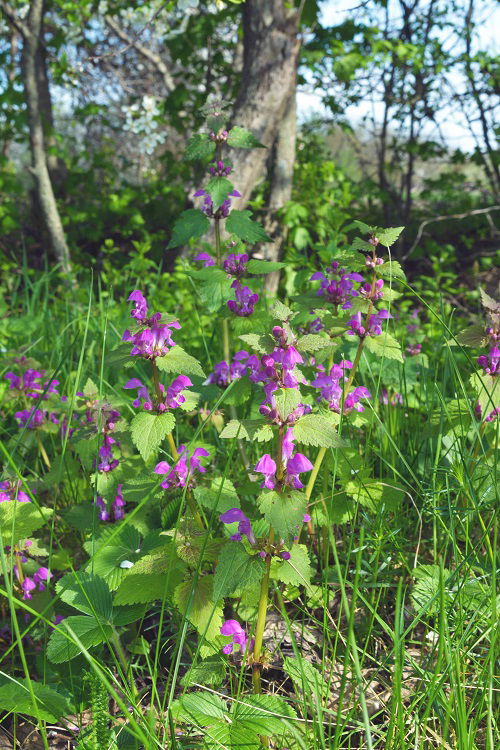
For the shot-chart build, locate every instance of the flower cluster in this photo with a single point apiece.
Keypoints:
(245, 300)
(235, 515)
(172, 395)
(219, 169)
(153, 339)
(235, 265)
(490, 362)
(372, 327)
(224, 373)
(10, 489)
(222, 212)
(238, 637)
(35, 418)
(332, 392)
(117, 507)
(181, 473)
(337, 287)
(29, 585)
(31, 384)
(292, 464)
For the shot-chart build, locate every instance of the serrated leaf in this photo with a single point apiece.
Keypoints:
(210, 671)
(89, 631)
(306, 678)
(239, 393)
(87, 592)
(472, 336)
(218, 189)
(240, 224)
(199, 147)
(149, 429)
(213, 287)
(258, 267)
(235, 570)
(489, 303)
(284, 512)
(296, 571)
(248, 429)
(194, 599)
(19, 520)
(190, 225)
(280, 311)
(179, 362)
(230, 736)
(374, 493)
(266, 714)
(313, 429)
(218, 497)
(287, 400)
(391, 269)
(260, 343)
(384, 345)
(153, 577)
(241, 138)
(388, 237)
(311, 342)
(52, 701)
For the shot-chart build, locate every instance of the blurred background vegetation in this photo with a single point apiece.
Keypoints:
(381, 110)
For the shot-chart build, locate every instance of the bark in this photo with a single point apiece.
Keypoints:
(271, 48)
(281, 186)
(39, 109)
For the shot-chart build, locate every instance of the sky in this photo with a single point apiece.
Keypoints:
(456, 132)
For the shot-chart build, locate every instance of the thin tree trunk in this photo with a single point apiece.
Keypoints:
(32, 41)
(281, 186)
(271, 48)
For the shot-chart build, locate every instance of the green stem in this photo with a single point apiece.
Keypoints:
(156, 381)
(261, 620)
(122, 657)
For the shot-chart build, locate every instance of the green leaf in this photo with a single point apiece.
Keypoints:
(199, 147)
(194, 599)
(210, 671)
(190, 225)
(239, 393)
(19, 520)
(218, 189)
(241, 138)
(258, 267)
(312, 429)
(306, 678)
(487, 392)
(472, 336)
(391, 269)
(179, 362)
(153, 577)
(248, 429)
(374, 493)
(280, 311)
(284, 512)
(199, 708)
(87, 592)
(218, 496)
(388, 237)
(240, 224)
(149, 429)
(213, 286)
(266, 714)
(384, 345)
(426, 592)
(89, 631)
(235, 570)
(260, 343)
(231, 736)
(297, 570)
(287, 400)
(52, 701)
(311, 342)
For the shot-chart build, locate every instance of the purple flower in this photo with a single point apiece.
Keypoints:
(377, 293)
(181, 474)
(245, 300)
(155, 341)
(204, 258)
(395, 400)
(118, 504)
(339, 288)
(292, 466)
(28, 383)
(414, 349)
(238, 637)
(373, 328)
(42, 576)
(142, 393)
(244, 525)
(236, 265)
(11, 490)
(490, 362)
(267, 466)
(103, 508)
(140, 311)
(28, 586)
(219, 169)
(208, 206)
(223, 374)
(31, 418)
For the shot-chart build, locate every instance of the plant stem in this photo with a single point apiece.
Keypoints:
(156, 381)
(122, 657)
(43, 452)
(172, 446)
(261, 620)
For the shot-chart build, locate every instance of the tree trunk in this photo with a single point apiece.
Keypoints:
(281, 186)
(30, 59)
(271, 48)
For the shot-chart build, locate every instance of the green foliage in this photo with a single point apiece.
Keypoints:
(180, 362)
(153, 577)
(283, 511)
(47, 702)
(240, 138)
(73, 634)
(240, 224)
(236, 569)
(195, 600)
(191, 225)
(297, 570)
(312, 429)
(19, 520)
(149, 429)
(199, 147)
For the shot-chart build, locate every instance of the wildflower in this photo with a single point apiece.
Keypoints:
(204, 258)
(238, 637)
(223, 374)
(219, 169)
(235, 265)
(339, 288)
(155, 341)
(490, 362)
(414, 349)
(172, 396)
(118, 504)
(395, 400)
(208, 205)
(292, 465)
(31, 418)
(140, 311)
(103, 508)
(181, 473)
(10, 489)
(245, 300)
(372, 293)
(28, 383)
(28, 586)
(373, 327)
(41, 577)
(244, 525)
